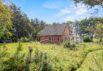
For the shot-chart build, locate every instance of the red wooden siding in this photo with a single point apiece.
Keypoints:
(56, 38)
(51, 39)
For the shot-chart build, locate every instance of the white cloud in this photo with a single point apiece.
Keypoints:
(73, 12)
(70, 13)
(53, 4)
(50, 6)
(81, 9)
(69, 18)
(65, 11)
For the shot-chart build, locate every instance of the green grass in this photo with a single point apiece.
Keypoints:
(93, 62)
(65, 59)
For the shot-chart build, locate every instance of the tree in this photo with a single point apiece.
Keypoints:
(91, 2)
(38, 26)
(99, 30)
(23, 26)
(21, 23)
(5, 21)
(87, 26)
(90, 27)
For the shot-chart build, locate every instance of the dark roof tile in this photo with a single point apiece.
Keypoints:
(55, 29)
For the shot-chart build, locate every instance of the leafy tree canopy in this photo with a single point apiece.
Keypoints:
(23, 26)
(99, 30)
(5, 20)
(90, 2)
(88, 26)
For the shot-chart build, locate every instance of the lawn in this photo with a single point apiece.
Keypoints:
(85, 57)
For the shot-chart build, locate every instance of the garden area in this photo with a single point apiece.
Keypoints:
(34, 56)
(80, 50)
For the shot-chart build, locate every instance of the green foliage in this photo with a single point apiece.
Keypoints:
(23, 26)
(9, 65)
(18, 62)
(25, 39)
(15, 62)
(42, 61)
(99, 31)
(91, 3)
(47, 57)
(87, 26)
(5, 20)
(37, 26)
(87, 39)
(93, 62)
(68, 44)
(15, 24)
(20, 23)
(90, 27)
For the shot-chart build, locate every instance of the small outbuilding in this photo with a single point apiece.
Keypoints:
(56, 33)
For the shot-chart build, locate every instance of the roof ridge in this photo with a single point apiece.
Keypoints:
(54, 29)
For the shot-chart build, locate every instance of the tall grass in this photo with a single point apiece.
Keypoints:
(47, 57)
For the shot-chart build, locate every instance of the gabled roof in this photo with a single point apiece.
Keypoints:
(55, 29)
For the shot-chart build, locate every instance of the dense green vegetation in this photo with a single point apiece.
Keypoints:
(15, 25)
(34, 56)
(91, 3)
(50, 57)
(19, 27)
(90, 27)
(23, 26)
(5, 21)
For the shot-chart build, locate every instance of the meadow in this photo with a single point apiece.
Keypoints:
(85, 57)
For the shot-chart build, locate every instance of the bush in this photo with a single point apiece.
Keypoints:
(11, 63)
(25, 39)
(42, 61)
(68, 44)
(87, 39)
(20, 62)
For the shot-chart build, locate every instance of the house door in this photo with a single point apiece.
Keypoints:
(50, 39)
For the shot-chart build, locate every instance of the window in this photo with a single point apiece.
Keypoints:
(58, 38)
(65, 38)
(50, 39)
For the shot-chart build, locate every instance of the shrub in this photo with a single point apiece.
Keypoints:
(68, 44)
(42, 61)
(24, 39)
(20, 62)
(87, 39)
(12, 63)
(9, 64)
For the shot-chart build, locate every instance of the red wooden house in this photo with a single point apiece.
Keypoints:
(55, 33)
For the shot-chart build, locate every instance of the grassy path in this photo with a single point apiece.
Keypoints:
(86, 55)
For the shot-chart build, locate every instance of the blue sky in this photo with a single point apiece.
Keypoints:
(56, 10)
